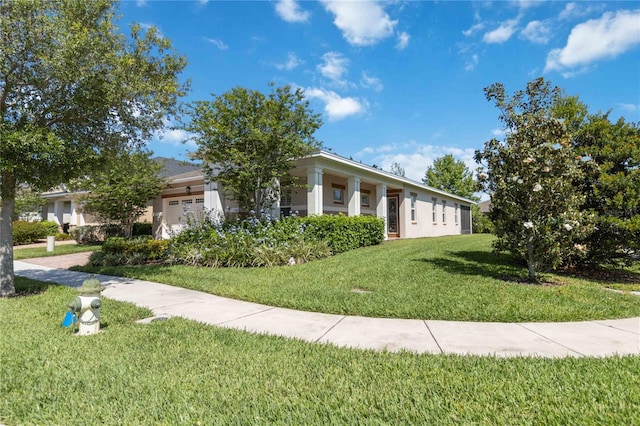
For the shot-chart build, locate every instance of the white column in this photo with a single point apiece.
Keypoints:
(381, 205)
(74, 214)
(314, 191)
(59, 212)
(353, 189)
(212, 199)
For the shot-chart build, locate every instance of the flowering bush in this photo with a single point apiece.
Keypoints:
(264, 241)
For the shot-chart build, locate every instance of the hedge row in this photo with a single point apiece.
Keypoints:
(30, 232)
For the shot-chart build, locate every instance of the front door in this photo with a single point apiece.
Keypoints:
(393, 224)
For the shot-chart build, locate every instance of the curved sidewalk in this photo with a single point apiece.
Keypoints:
(569, 339)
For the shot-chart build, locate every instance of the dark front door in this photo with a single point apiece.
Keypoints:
(393, 223)
(465, 218)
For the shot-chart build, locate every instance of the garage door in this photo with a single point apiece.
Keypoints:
(178, 208)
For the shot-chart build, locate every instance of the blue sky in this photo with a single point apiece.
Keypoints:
(402, 81)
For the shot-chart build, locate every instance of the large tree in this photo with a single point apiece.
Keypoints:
(611, 181)
(249, 141)
(119, 193)
(73, 89)
(532, 177)
(452, 176)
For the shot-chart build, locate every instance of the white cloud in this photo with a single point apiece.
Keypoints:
(141, 3)
(289, 10)
(363, 23)
(472, 63)
(498, 132)
(403, 41)
(629, 107)
(537, 32)
(291, 63)
(217, 43)
(414, 157)
(337, 107)
(574, 10)
(334, 67)
(502, 33)
(174, 137)
(474, 29)
(597, 39)
(371, 82)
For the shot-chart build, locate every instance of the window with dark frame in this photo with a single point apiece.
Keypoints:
(338, 193)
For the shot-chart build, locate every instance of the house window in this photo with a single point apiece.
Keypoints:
(433, 210)
(444, 211)
(199, 200)
(364, 198)
(174, 203)
(414, 217)
(338, 194)
(187, 202)
(455, 214)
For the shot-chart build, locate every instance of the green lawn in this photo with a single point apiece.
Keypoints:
(182, 372)
(28, 253)
(446, 278)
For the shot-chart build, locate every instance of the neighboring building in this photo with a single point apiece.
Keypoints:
(485, 207)
(331, 184)
(63, 208)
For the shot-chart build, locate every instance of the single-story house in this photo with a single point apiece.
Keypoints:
(330, 184)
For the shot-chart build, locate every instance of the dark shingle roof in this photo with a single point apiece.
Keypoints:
(173, 167)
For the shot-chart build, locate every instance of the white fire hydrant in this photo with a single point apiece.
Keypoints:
(87, 306)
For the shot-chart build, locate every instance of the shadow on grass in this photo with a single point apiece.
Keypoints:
(479, 263)
(29, 287)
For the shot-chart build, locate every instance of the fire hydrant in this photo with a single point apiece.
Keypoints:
(87, 306)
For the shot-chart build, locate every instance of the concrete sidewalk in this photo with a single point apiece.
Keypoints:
(573, 339)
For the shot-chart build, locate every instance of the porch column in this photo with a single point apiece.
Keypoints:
(314, 191)
(59, 212)
(381, 205)
(353, 188)
(212, 200)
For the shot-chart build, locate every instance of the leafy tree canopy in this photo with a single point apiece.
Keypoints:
(73, 90)
(249, 141)
(452, 176)
(119, 193)
(532, 177)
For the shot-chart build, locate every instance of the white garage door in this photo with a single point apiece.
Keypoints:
(178, 208)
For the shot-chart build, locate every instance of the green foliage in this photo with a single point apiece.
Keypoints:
(120, 191)
(50, 226)
(612, 186)
(251, 141)
(130, 251)
(63, 237)
(74, 90)
(142, 228)
(344, 233)
(91, 234)
(532, 178)
(29, 204)
(242, 243)
(451, 176)
(481, 222)
(28, 232)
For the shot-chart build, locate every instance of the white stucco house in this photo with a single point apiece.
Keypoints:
(330, 184)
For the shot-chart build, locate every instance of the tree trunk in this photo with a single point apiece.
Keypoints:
(531, 261)
(8, 195)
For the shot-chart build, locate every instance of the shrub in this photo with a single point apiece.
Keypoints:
(63, 237)
(262, 241)
(143, 228)
(50, 226)
(129, 251)
(28, 232)
(343, 233)
(88, 234)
